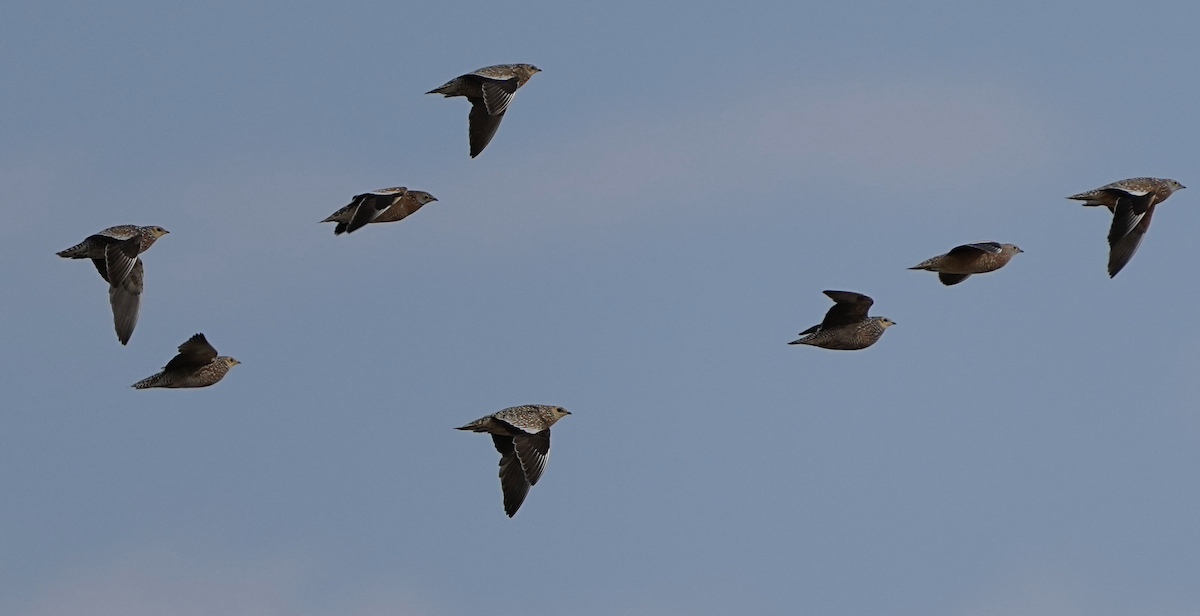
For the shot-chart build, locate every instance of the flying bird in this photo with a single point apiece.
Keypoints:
(196, 365)
(846, 326)
(490, 90)
(383, 205)
(1132, 203)
(962, 261)
(522, 436)
(114, 251)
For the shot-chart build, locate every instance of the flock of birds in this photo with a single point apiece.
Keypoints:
(522, 433)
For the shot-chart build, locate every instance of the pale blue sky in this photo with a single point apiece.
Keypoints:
(653, 222)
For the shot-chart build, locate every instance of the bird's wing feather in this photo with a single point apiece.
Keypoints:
(482, 125)
(124, 270)
(532, 451)
(370, 205)
(1128, 228)
(849, 308)
(512, 476)
(989, 247)
(497, 94)
(193, 354)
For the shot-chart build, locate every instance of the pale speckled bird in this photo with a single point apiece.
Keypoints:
(490, 90)
(196, 365)
(522, 436)
(962, 261)
(1132, 203)
(114, 251)
(846, 326)
(383, 205)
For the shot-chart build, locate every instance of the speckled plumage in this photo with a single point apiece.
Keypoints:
(196, 365)
(962, 261)
(384, 205)
(1132, 203)
(522, 436)
(846, 326)
(114, 251)
(490, 90)
(93, 246)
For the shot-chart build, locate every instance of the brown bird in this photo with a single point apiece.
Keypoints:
(490, 90)
(522, 436)
(962, 261)
(196, 365)
(1132, 203)
(846, 326)
(114, 251)
(383, 205)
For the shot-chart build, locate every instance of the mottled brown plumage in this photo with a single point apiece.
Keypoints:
(114, 251)
(962, 261)
(196, 365)
(384, 205)
(490, 90)
(522, 436)
(1132, 203)
(846, 326)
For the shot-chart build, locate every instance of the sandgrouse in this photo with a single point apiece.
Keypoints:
(490, 90)
(522, 436)
(962, 261)
(196, 365)
(114, 251)
(383, 205)
(846, 326)
(1132, 203)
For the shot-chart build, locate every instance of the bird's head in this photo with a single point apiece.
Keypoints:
(422, 197)
(230, 362)
(1174, 186)
(1011, 249)
(525, 71)
(158, 232)
(885, 322)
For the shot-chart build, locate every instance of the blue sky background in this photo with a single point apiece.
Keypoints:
(655, 219)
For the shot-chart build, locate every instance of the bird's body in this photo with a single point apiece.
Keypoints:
(522, 436)
(196, 365)
(1132, 203)
(846, 326)
(962, 261)
(93, 246)
(383, 205)
(490, 90)
(114, 251)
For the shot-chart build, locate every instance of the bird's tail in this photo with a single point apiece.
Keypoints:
(444, 90)
(479, 425)
(157, 380)
(78, 251)
(927, 265)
